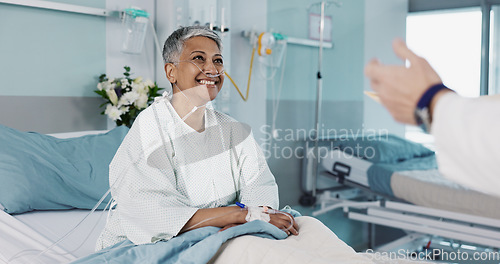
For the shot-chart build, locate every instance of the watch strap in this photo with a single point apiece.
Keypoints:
(422, 112)
(426, 98)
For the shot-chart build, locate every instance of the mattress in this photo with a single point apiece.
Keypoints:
(420, 187)
(26, 235)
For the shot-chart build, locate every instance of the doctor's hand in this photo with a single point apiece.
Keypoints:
(400, 87)
(285, 222)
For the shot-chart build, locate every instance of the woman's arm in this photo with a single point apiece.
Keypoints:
(230, 216)
(257, 184)
(218, 217)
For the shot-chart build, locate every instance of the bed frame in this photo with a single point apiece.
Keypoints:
(435, 222)
(384, 210)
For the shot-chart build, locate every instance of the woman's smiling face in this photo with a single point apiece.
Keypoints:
(199, 64)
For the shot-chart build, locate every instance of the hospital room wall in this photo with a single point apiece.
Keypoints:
(48, 66)
(380, 30)
(246, 16)
(345, 109)
(51, 60)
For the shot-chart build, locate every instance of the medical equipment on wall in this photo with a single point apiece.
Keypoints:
(135, 25)
(245, 98)
(212, 21)
(271, 49)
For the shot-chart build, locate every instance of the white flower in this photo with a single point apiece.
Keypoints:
(149, 83)
(140, 88)
(128, 98)
(113, 112)
(124, 83)
(109, 84)
(141, 102)
(124, 109)
(138, 79)
(100, 86)
(112, 96)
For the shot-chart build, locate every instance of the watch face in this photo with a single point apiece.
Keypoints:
(418, 120)
(422, 118)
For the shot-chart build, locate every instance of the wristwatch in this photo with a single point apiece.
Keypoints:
(423, 118)
(422, 111)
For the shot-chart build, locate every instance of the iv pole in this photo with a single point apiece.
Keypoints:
(319, 90)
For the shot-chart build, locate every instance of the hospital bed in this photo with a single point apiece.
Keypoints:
(406, 191)
(27, 233)
(43, 223)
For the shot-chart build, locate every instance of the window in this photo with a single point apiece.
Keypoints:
(494, 71)
(451, 42)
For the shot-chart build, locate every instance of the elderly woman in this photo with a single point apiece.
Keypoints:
(183, 164)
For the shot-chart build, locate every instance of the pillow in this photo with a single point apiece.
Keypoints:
(41, 172)
(382, 148)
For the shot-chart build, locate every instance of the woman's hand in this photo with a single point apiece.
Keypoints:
(285, 222)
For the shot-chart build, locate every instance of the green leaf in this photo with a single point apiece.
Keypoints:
(102, 78)
(101, 93)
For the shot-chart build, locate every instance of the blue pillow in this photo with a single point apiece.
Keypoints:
(383, 148)
(40, 172)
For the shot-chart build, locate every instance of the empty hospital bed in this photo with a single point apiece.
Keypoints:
(410, 194)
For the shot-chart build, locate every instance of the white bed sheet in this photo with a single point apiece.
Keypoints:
(28, 234)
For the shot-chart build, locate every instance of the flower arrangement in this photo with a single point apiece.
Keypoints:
(126, 97)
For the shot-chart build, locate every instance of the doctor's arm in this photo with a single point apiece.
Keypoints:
(465, 129)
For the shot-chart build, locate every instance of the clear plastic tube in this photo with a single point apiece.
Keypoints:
(195, 107)
(273, 211)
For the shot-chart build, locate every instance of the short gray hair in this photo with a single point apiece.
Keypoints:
(175, 42)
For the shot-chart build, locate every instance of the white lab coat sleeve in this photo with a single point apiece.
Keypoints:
(467, 138)
(256, 182)
(149, 207)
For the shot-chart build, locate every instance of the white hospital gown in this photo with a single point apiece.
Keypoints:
(164, 171)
